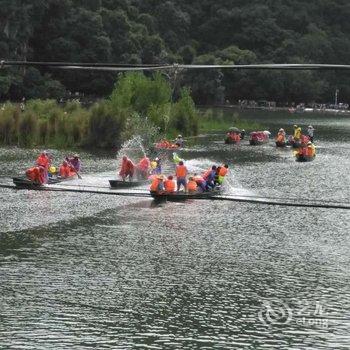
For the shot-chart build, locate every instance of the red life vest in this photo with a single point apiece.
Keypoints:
(43, 161)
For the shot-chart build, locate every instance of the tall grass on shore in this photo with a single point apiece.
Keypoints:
(138, 105)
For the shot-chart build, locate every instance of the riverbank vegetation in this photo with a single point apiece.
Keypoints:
(198, 32)
(138, 105)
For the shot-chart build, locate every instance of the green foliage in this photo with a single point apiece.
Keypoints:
(139, 105)
(155, 31)
(184, 117)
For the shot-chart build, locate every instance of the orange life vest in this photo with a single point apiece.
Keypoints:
(310, 152)
(65, 171)
(181, 171)
(169, 186)
(223, 171)
(192, 186)
(155, 184)
(280, 138)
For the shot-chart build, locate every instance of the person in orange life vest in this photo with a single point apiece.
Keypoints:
(191, 185)
(33, 174)
(44, 161)
(143, 167)
(311, 151)
(181, 173)
(157, 184)
(209, 177)
(43, 177)
(169, 184)
(65, 170)
(223, 170)
(201, 183)
(127, 169)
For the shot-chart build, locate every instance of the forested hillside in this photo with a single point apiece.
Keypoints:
(196, 31)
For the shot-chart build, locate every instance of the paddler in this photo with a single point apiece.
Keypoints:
(192, 185)
(127, 169)
(33, 174)
(281, 136)
(179, 142)
(169, 184)
(209, 177)
(311, 150)
(221, 172)
(75, 162)
(157, 184)
(143, 168)
(44, 161)
(181, 173)
(201, 183)
(66, 170)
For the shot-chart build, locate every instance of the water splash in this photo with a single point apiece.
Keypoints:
(132, 148)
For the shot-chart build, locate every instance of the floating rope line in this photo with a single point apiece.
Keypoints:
(245, 199)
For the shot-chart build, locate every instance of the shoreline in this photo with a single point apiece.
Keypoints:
(290, 110)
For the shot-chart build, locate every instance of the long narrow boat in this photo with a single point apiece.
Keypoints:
(181, 196)
(126, 184)
(24, 183)
(301, 158)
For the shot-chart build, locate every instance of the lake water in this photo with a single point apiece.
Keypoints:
(82, 270)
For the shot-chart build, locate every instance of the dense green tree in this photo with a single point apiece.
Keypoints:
(158, 31)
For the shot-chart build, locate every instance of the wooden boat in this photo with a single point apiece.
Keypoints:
(258, 137)
(229, 141)
(181, 196)
(127, 184)
(301, 158)
(23, 182)
(281, 144)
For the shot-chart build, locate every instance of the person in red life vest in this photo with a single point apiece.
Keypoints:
(169, 184)
(143, 168)
(192, 185)
(44, 161)
(201, 183)
(127, 169)
(181, 173)
(157, 185)
(66, 170)
(33, 174)
(43, 175)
